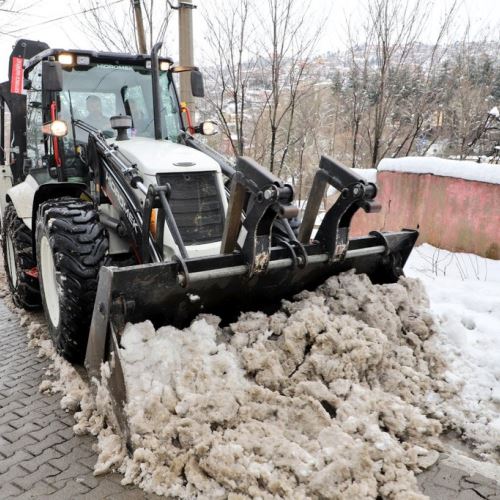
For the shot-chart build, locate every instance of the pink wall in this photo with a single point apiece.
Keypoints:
(455, 214)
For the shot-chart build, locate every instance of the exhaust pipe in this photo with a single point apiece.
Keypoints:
(155, 76)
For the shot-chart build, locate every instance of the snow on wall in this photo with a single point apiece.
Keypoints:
(468, 170)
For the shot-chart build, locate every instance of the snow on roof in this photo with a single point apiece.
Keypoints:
(460, 169)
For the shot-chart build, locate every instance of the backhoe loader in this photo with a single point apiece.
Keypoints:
(114, 212)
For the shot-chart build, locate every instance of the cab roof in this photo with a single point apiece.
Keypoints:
(95, 57)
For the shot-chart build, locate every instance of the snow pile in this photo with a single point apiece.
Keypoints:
(460, 169)
(464, 292)
(61, 377)
(327, 397)
(91, 408)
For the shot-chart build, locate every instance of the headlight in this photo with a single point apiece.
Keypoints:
(164, 66)
(58, 128)
(66, 59)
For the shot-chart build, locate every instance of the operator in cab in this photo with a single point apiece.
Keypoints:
(95, 116)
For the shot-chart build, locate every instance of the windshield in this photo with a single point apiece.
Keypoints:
(96, 93)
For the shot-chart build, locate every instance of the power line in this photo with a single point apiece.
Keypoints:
(29, 6)
(9, 33)
(21, 11)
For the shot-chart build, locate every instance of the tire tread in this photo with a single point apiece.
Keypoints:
(79, 244)
(26, 293)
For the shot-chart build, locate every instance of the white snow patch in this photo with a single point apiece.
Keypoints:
(369, 174)
(494, 112)
(464, 293)
(459, 169)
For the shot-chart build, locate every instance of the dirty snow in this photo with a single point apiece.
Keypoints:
(460, 169)
(326, 397)
(89, 407)
(464, 293)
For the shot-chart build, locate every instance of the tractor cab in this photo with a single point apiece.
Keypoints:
(64, 88)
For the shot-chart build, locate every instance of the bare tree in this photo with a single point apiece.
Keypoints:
(397, 30)
(113, 27)
(358, 61)
(261, 69)
(288, 55)
(471, 77)
(231, 68)
(391, 76)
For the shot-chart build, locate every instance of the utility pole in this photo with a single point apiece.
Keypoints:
(139, 24)
(186, 50)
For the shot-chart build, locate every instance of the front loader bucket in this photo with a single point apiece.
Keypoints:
(250, 274)
(220, 284)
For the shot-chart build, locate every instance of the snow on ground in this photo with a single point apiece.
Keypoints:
(61, 377)
(460, 169)
(464, 293)
(341, 394)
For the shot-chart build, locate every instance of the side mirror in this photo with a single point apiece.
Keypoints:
(206, 128)
(197, 87)
(52, 76)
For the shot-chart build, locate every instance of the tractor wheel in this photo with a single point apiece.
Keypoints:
(71, 246)
(20, 266)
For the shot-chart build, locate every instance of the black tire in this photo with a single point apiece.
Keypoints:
(68, 230)
(20, 266)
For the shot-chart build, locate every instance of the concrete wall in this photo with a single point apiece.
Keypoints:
(455, 214)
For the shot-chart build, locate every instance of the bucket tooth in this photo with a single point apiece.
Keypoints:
(355, 193)
(262, 197)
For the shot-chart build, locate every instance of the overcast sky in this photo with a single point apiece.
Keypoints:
(34, 22)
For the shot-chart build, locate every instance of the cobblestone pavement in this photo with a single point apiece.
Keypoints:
(40, 457)
(459, 480)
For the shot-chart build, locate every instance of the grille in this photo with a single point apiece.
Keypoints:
(196, 204)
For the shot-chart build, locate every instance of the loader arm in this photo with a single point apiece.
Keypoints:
(117, 180)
